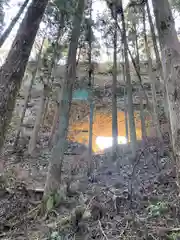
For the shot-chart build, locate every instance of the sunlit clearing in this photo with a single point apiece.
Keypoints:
(105, 142)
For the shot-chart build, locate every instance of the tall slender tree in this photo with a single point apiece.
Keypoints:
(27, 98)
(170, 51)
(142, 117)
(153, 35)
(91, 85)
(55, 166)
(12, 72)
(159, 71)
(47, 81)
(132, 128)
(152, 76)
(114, 91)
(141, 95)
(125, 101)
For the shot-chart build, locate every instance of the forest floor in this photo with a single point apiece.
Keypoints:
(122, 200)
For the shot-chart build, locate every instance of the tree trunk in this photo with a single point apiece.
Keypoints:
(143, 122)
(152, 77)
(153, 35)
(114, 96)
(126, 116)
(54, 60)
(44, 102)
(12, 72)
(55, 166)
(170, 50)
(143, 126)
(91, 118)
(125, 102)
(54, 125)
(56, 117)
(6, 33)
(132, 127)
(28, 95)
(149, 107)
(35, 132)
(91, 84)
(160, 85)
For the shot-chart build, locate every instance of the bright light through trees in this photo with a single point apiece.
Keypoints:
(105, 142)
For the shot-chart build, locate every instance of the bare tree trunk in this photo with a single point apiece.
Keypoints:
(153, 35)
(56, 117)
(54, 124)
(114, 95)
(13, 22)
(55, 166)
(126, 116)
(91, 118)
(54, 60)
(44, 102)
(125, 102)
(28, 95)
(12, 72)
(91, 84)
(143, 126)
(170, 50)
(149, 107)
(143, 122)
(152, 76)
(158, 63)
(129, 90)
(34, 136)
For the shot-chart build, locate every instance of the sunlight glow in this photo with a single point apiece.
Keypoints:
(105, 142)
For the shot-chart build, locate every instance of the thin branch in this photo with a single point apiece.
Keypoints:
(103, 233)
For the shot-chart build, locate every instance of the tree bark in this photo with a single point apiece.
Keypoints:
(56, 50)
(90, 150)
(28, 95)
(158, 64)
(143, 122)
(143, 126)
(54, 125)
(133, 61)
(132, 127)
(55, 166)
(114, 95)
(153, 35)
(13, 23)
(43, 107)
(170, 50)
(12, 72)
(126, 117)
(152, 77)
(125, 102)
(35, 132)
(91, 84)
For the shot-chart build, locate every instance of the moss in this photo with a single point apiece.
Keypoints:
(174, 236)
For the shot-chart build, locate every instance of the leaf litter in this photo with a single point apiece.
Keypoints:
(126, 199)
